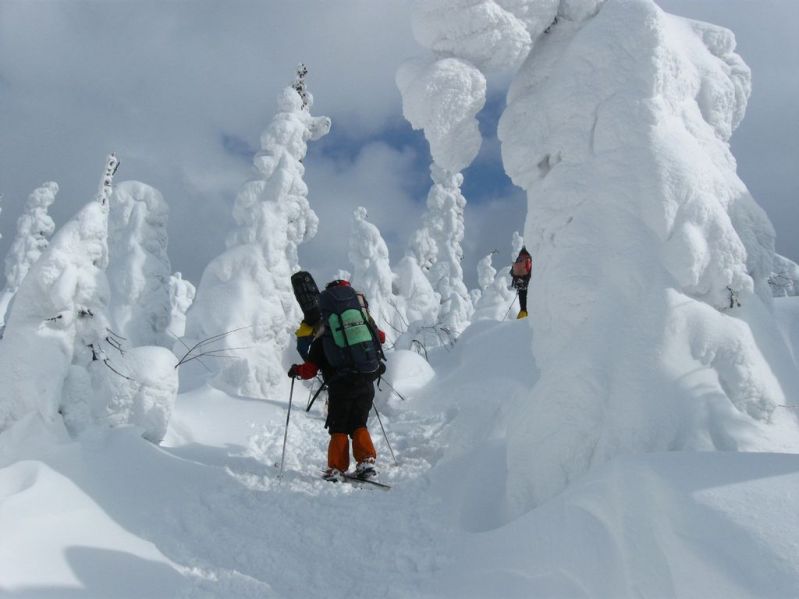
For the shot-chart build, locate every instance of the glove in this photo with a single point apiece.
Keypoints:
(294, 371)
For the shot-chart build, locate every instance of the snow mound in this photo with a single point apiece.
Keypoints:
(142, 395)
(407, 371)
(666, 525)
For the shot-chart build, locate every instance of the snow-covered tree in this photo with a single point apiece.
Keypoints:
(784, 279)
(248, 287)
(651, 255)
(496, 299)
(443, 229)
(57, 351)
(442, 97)
(372, 276)
(34, 228)
(181, 297)
(421, 303)
(139, 269)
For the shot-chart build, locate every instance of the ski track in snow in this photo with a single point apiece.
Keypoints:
(212, 503)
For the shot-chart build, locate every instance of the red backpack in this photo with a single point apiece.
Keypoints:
(523, 265)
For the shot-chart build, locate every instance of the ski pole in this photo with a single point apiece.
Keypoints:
(286, 434)
(380, 420)
(511, 305)
(393, 389)
(313, 399)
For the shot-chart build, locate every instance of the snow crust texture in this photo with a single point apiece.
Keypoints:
(652, 257)
(247, 289)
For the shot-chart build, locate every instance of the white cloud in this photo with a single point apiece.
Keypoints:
(381, 179)
(163, 83)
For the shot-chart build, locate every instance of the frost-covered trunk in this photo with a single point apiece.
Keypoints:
(645, 243)
(248, 287)
(372, 276)
(34, 228)
(139, 269)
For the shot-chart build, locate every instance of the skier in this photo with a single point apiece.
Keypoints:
(520, 272)
(350, 392)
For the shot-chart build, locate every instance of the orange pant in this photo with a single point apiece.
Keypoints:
(338, 450)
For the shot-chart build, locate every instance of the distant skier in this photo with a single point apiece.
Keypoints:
(346, 348)
(520, 272)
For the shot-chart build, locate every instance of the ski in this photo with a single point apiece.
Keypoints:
(355, 479)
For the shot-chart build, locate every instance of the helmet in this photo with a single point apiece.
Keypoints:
(338, 283)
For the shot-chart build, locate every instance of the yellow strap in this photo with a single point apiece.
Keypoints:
(305, 330)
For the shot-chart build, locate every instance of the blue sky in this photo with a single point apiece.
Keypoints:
(182, 91)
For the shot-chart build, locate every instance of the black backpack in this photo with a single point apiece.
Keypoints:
(349, 340)
(307, 294)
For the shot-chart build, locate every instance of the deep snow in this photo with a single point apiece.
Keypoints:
(205, 515)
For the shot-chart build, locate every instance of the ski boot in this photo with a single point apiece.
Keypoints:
(366, 469)
(522, 314)
(333, 475)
